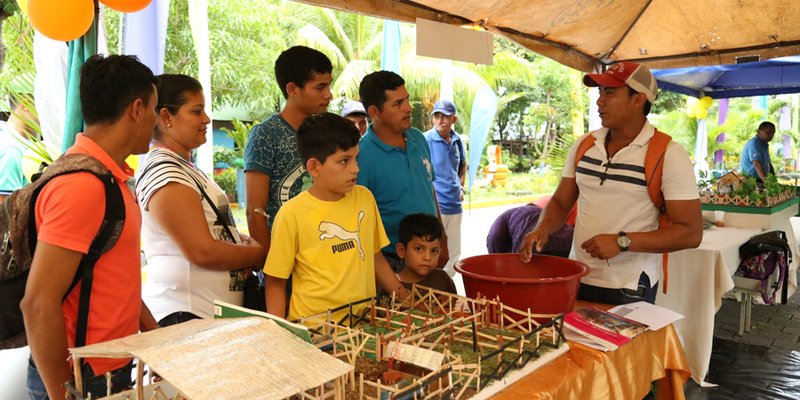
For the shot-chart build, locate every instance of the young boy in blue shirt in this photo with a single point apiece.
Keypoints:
(419, 246)
(328, 238)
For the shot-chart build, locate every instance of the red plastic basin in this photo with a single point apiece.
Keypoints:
(546, 285)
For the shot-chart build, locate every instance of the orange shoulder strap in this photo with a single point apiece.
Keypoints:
(583, 147)
(653, 169)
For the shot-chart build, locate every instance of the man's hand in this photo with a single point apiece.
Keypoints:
(602, 246)
(537, 237)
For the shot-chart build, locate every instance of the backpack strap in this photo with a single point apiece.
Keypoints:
(583, 147)
(653, 170)
(103, 241)
(178, 163)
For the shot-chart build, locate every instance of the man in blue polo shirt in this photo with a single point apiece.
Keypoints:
(394, 158)
(755, 159)
(449, 162)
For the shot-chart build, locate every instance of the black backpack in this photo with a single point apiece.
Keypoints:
(19, 238)
(760, 257)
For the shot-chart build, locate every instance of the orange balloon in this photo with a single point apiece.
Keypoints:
(127, 6)
(62, 20)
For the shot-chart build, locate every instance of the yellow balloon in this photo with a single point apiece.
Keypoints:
(690, 111)
(706, 101)
(23, 7)
(701, 114)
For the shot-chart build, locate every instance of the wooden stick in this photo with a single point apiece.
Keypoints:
(76, 367)
(139, 381)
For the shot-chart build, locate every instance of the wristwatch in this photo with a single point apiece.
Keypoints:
(623, 241)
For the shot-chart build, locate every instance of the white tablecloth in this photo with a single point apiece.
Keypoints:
(698, 278)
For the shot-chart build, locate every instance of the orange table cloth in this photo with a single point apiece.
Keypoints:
(624, 374)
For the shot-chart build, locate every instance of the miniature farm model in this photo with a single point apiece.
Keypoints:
(243, 358)
(732, 189)
(430, 345)
(435, 345)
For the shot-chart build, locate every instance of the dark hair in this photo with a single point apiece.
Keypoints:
(298, 65)
(647, 105)
(320, 135)
(110, 84)
(766, 125)
(423, 226)
(373, 87)
(173, 91)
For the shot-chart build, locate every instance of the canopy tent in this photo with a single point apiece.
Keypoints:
(591, 33)
(776, 76)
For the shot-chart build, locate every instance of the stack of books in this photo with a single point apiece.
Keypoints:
(600, 329)
(607, 330)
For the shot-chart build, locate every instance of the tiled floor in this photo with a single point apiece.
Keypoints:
(761, 364)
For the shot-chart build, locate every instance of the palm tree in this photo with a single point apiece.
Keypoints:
(354, 42)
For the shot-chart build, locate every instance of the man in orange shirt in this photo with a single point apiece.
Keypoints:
(118, 99)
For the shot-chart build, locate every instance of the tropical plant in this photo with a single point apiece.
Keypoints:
(16, 79)
(226, 181)
(243, 48)
(239, 133)
(224, 155)
(7, 9)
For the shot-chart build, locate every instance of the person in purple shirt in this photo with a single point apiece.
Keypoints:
(509, 230)
(450, 164)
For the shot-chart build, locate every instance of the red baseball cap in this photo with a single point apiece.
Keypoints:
(626, 73)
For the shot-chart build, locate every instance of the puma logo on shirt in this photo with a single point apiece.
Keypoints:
(330, 230)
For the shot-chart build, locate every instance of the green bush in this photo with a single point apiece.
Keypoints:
(226, 180)
(518, 163)
(224, 155)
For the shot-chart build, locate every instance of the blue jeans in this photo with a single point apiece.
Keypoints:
(34, 383)
(644, 292)
(96, 385)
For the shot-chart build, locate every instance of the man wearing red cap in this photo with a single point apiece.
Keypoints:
(617, 233)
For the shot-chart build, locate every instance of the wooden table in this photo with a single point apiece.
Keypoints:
(586, 374)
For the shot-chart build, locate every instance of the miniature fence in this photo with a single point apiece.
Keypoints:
(323, 393)
(433, 319)
(418, 389)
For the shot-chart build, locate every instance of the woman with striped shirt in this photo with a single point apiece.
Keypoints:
(194, 253)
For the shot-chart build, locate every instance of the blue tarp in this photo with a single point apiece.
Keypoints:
(775, 76)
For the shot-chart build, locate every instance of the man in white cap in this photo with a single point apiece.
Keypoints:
(450, 163)
(617, 231)
(355, 112)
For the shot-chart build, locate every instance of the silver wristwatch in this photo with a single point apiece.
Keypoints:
(623, 241)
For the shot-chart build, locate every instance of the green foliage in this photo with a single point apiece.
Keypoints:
(225, 155)
(245, 37)
(8, 8)
(558, 157)
(17, 78)
(239, 134)
(518, 163)
(226, 180)
(668, 101)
